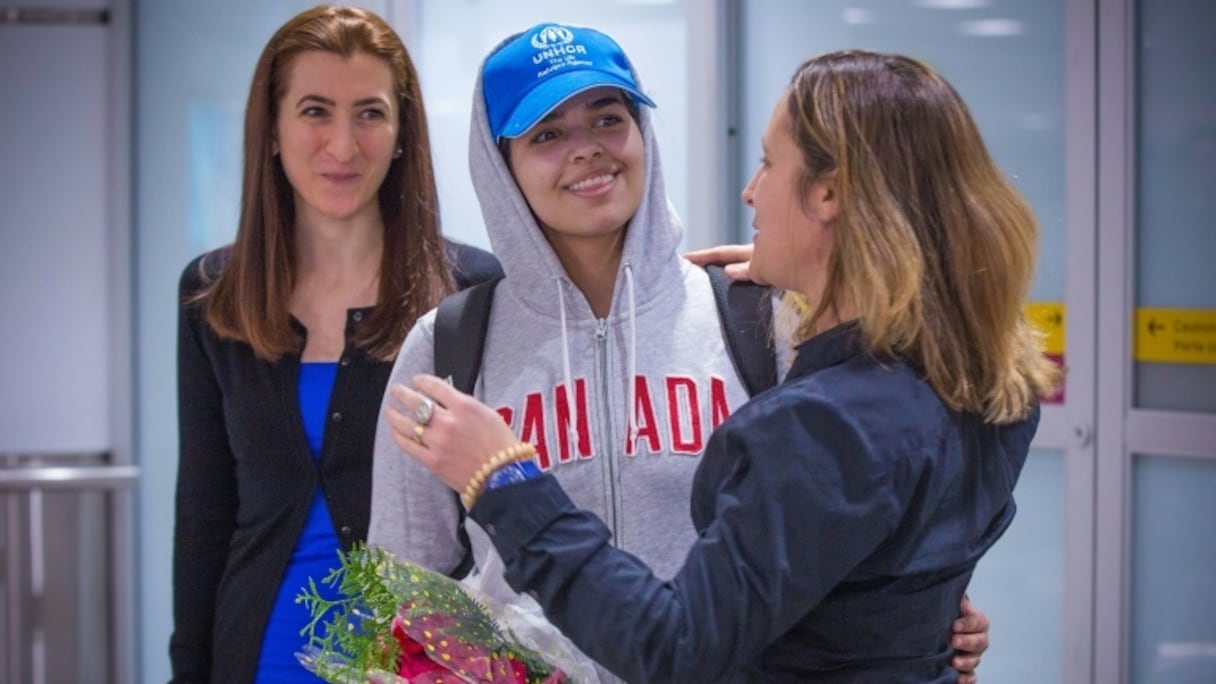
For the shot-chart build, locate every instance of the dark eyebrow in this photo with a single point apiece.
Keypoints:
(555, 113)
(374, 100)
(605, 101)
(315, 98)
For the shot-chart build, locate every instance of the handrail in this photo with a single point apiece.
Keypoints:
(17, 458)
(68, 477)
(46, 15)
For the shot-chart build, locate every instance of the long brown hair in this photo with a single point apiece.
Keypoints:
(935, 249)
(249, 300)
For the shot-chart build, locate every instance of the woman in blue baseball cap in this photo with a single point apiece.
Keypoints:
(604, 350)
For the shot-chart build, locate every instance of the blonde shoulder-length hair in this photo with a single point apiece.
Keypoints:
(934, 248)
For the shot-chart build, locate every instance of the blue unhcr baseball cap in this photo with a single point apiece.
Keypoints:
(544, 66)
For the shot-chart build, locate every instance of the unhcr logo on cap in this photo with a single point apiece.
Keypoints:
(551, 36)
(553, 43)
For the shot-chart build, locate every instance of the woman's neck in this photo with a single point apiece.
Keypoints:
(337, 265)
(339, 257)
(592, 264)
(337, 269)
(832, 316)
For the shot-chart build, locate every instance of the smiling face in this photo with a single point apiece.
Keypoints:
(794, 233)
(336, 133)
(581, 169)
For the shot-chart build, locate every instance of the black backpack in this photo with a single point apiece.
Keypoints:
(744, 309)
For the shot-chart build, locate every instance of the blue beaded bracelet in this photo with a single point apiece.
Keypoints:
(512, 473)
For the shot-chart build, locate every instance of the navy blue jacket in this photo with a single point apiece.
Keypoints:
(840, 517)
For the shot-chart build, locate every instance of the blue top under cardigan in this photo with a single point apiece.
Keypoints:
(315, 553)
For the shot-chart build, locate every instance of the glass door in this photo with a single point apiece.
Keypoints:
(1157, 344)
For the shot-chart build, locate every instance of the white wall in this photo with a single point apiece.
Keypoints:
(54, 265)
(65, 373)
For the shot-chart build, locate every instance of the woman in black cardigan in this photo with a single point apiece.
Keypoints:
(286, 338)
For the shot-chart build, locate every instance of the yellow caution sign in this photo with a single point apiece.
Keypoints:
(1176, 335)
(1049, 318)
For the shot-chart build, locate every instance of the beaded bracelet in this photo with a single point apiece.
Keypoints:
(520, 451)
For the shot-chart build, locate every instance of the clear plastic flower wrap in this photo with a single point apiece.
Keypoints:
(397, 622)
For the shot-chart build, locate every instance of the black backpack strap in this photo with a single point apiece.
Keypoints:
(460, 334)
(746, 313)
(461, 323)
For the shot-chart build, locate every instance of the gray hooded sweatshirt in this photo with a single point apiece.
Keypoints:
(659, 350)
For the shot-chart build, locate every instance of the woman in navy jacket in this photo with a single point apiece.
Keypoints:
(841, 514)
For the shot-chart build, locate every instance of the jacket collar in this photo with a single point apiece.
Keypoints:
(828, 348)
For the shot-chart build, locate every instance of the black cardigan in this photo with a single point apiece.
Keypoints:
(246, 476)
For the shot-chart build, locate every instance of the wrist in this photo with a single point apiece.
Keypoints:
(516, 453)
(512, 473)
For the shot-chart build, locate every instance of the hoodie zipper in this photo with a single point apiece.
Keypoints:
(601, 362)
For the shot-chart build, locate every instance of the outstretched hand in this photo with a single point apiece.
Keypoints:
(736, 260)
(460, 434)
(970, 640)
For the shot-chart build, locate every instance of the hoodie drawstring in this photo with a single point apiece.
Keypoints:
(568, 380)
(631, 377)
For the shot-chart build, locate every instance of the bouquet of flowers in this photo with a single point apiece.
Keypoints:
(396, 622)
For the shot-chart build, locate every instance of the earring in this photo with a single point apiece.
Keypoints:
(397, 154)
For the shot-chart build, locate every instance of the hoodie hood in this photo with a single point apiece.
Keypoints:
(533, 270)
